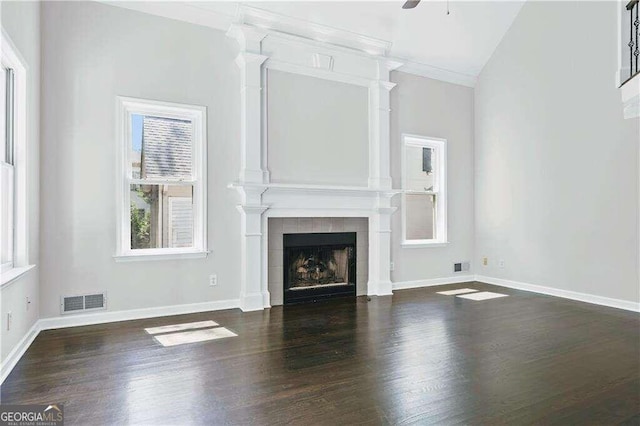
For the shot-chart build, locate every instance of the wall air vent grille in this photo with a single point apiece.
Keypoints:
(73, 303)
(94, 301)
(88, 302)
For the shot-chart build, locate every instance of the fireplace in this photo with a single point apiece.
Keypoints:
(319, 266)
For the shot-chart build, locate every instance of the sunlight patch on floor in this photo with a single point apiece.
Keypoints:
(483, 295)
(457, 291)
(181, 327)
(181, 338)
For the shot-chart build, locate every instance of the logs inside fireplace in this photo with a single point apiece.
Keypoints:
(319, 266)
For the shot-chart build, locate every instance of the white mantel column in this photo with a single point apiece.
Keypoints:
(380, 117)
(250, 61)
(380, 250)
(252, 295)
(380, 178)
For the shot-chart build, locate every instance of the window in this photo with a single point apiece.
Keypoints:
(424, 197)
(13, 167)
(8, 188)
(162, 164)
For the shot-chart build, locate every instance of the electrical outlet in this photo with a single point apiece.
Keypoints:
(9, 320)
(392, 266)
(485, 261)
(213, 280)
(501, 263)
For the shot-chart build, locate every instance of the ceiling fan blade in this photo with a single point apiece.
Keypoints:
(410, 4)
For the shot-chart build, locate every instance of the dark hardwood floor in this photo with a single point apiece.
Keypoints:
(414, 358)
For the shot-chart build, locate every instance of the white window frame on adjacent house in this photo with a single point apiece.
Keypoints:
(439, 147)
(197, 115)
(17, 169)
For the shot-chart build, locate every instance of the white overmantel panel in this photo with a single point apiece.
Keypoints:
(289, 52)
(346, 58)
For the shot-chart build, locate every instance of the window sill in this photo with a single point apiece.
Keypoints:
(137, 257)
(13, 274)
(424, 244)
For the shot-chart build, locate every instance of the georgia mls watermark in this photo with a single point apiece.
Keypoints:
(31, 415)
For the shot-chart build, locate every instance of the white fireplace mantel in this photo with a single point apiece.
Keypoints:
(264, 201)
(266, 42)
(304, 200)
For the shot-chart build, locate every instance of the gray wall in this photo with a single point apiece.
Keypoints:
(432, 108)
(92, 53)
(21, 21)
(318, 130)
(556, 164)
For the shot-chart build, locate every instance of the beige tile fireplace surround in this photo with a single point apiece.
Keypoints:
(293, 225)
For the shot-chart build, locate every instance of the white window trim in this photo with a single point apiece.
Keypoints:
(125, 107)
(440, 146)
(8, 173)
(10, 57)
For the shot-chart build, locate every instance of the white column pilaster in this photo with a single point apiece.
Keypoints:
(380, 250)
(380, 178)
(379, 138)
(250, 61)
(251, 291)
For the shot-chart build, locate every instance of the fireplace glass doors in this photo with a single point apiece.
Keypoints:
(319, 266)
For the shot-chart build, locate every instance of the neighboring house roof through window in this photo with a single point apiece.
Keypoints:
(166, 148)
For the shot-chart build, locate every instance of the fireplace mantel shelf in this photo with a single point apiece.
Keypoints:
(307, 188)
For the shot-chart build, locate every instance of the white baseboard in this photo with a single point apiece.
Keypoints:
(102, 318)
(134, 314)
(251, 302)
(403, 285)
(565, 294)
(16, 353)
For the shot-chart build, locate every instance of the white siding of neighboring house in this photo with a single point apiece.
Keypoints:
(180, 222)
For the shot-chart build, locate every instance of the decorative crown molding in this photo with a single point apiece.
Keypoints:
(390, 64)
(246, 58)
(385, 85)
(288, 25)
(436, 73)
(248, 37)
(180, 11)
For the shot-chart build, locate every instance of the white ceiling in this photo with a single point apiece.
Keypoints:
(462, 41)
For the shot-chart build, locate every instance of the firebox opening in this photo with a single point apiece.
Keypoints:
(319, 266)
